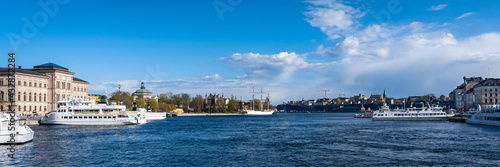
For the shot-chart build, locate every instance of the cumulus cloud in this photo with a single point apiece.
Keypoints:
(273, 66)
(332, 17)
(438, 7)
(412, 59)
(465, 15)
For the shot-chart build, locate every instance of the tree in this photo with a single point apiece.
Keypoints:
(185, 101)
(140, 103)
(166, 107)
(153, 104)
(163, 98)
(233, 106)
(197, 103)
(124, 97)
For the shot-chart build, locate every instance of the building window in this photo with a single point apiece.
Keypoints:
(2, 97)
(58, 96)
(24, 83)
(69, 86)
(44, 97)
(30, 108)
(30, 97)
(45, 85)
(19, 83)
(74, 88)
(24, 97)
(19, 97)
(35, 108)
(485, 95)
(30, 83)
(19, 108)
(63, 85)
(485, 100)
(24, 108)
(57, 85)
(40, 97)
(34, 97)
(40, 85)
(1, 83)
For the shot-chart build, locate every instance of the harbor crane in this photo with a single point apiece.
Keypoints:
(324, 91)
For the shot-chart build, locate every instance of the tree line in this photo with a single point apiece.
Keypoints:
(169, 102)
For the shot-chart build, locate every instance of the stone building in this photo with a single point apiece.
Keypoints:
(486, 91)
(143, 93)
(39, 89)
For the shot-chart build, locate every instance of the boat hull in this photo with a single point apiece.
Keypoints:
(410, 118)
(89, 122)
(483, 122)
(23, 135)
(260, 112)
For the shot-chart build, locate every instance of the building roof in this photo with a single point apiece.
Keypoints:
(50, 64)
(78, 79)
(27, 71)
(488, 82)
(142, 90)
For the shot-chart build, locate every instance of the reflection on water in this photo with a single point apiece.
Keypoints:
(297, 139)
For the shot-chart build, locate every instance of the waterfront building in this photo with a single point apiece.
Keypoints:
(463, 96)
(38, 89)
(144, 93)
(486, 92)
(359, 97)
(212, 101)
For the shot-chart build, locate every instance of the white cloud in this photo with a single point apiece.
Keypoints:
(275, 66)
(213, 77)
(465, 15)
(438, 7)
(332, 17)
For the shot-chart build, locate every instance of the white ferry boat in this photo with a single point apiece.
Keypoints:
(485, 115)
(264, 112)
(428, 113)
(80, 112)
(23, 133)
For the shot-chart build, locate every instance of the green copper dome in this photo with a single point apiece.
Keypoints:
(143, 89)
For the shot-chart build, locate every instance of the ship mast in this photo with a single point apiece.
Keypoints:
(261, 105)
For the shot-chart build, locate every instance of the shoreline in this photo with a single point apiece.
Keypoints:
(209, 114)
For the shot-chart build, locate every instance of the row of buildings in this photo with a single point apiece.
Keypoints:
(39, 88)
(475, 91)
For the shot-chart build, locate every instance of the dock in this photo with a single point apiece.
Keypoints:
(459, 118)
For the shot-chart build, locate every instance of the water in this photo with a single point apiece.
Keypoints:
(295, 139)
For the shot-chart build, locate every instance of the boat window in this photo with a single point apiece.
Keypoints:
(65, 117)
(100, 116)
(114, 117)
(80, 117)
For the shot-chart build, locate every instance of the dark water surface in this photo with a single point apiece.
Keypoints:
(327, 139)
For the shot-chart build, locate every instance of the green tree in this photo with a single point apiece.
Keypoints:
(153, 104)
(124, 97)
(163, 98)
(140, 103)
(233, 106)
(166, 107)
(197, 103)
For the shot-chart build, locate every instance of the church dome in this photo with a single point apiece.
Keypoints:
(143, 90)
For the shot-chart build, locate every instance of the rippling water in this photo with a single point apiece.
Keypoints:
(295, 139)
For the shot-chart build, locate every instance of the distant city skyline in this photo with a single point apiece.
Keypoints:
(292, 49)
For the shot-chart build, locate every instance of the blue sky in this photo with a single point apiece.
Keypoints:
(291, 48)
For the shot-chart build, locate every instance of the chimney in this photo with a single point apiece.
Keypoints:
(19, 67)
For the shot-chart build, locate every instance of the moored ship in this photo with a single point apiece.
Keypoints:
(485, 115)
(22, 133)
(81, 112)
(429, 113)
